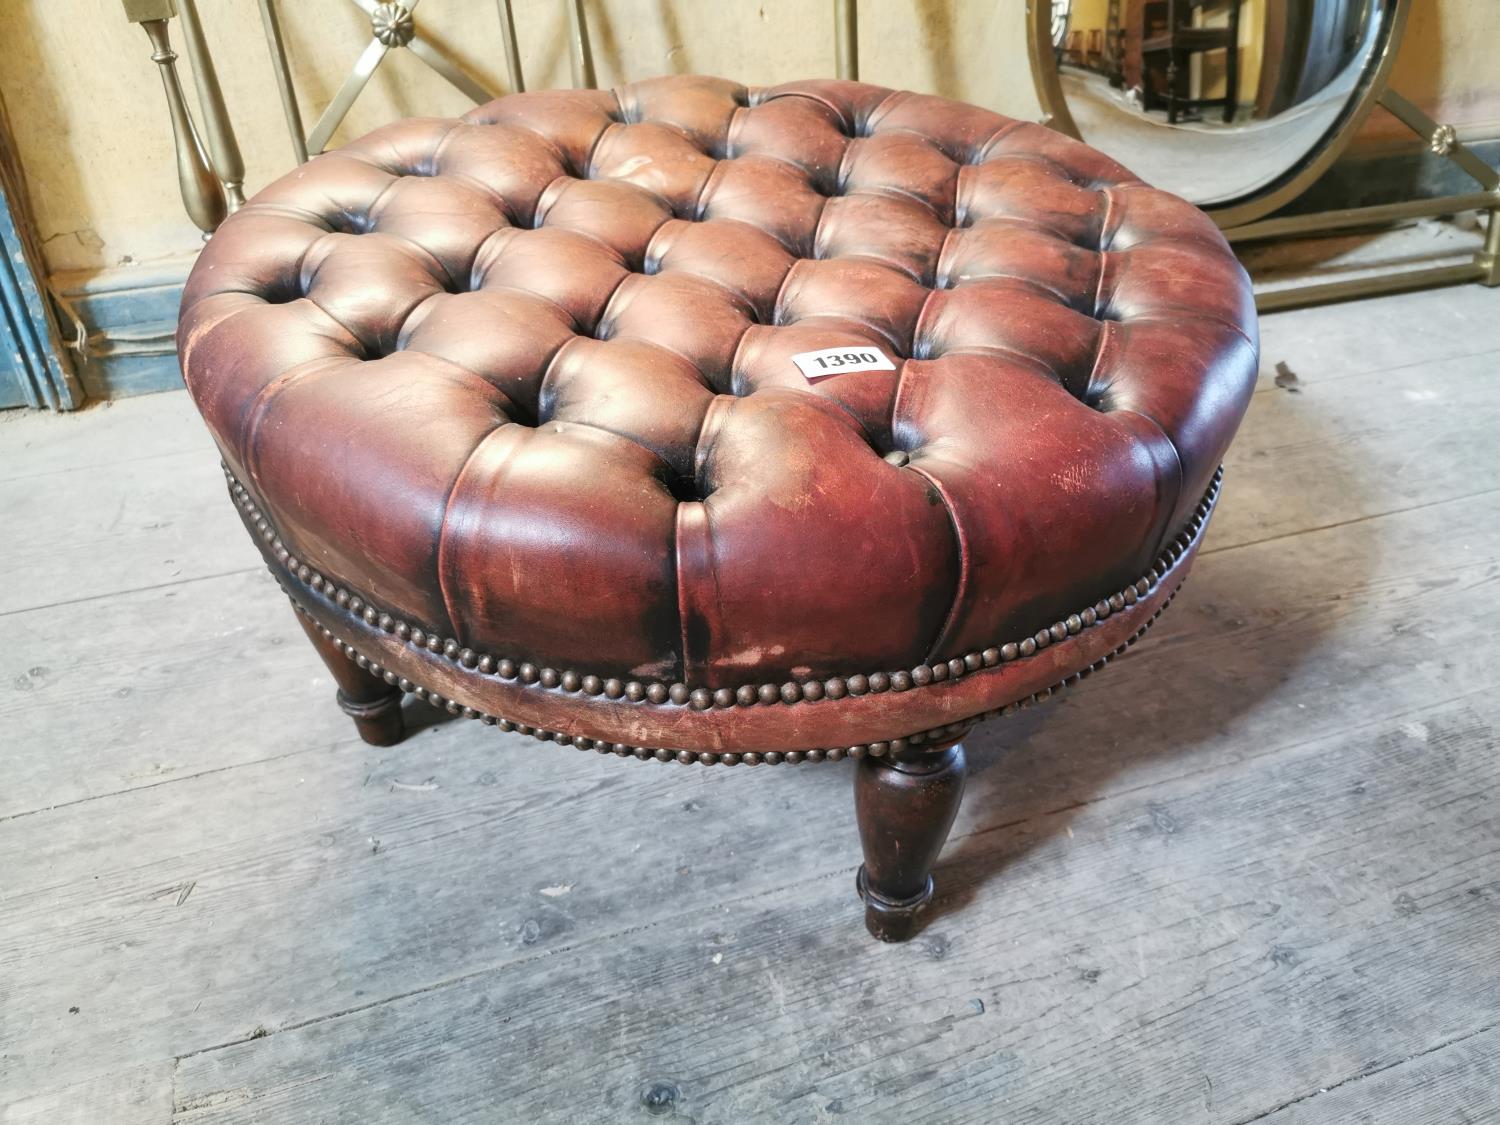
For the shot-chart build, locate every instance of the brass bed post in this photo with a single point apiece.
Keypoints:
(846, 38)
(202, 194)
(223, 149)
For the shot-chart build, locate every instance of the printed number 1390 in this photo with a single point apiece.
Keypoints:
(841, 361)
(844, 359)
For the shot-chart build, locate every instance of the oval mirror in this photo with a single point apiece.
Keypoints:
(1236, 105)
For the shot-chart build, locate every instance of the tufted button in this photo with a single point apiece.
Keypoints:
(528, 380)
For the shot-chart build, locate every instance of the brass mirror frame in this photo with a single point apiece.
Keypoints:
(1287, 186)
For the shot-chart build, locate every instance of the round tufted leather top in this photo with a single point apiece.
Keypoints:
(525, 379)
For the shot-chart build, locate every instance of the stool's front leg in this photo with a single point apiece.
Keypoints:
(905, 807)
(373, 704)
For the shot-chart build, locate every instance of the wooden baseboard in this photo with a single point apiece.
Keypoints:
(128, 316)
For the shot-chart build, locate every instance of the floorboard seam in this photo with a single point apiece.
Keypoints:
(841, 872)
(1207, 550)
(1269, 387)
(123, 593)
(844, 872)
(94, 466)
(1242, 760)
(1059, 810)
(7, 817)
(1300, 1098)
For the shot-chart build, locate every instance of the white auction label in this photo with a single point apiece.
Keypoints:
(841, 361)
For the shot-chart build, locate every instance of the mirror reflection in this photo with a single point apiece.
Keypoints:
(1212, 99)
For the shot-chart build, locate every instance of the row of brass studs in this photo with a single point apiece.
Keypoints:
(879, 749)
(747, 695)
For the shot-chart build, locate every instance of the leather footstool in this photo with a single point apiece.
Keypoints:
(724, 425)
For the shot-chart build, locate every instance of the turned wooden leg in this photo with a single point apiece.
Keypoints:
(905, 807)
(373, 704)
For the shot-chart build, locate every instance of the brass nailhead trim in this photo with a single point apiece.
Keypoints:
(879, 749)
(747, 695)
(702, 699)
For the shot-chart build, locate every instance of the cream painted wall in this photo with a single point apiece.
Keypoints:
(95, 140)
(92, 130)
(1447, 65)
(1088, 15)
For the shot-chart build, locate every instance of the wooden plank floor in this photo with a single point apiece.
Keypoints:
(1250, 874)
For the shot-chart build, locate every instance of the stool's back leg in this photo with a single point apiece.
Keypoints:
(905, 807)
(373, 704)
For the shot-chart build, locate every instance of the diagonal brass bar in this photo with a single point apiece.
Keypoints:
(274, 44)
(334, 115)
(434, 57)
(218, 133)
(1415, 119)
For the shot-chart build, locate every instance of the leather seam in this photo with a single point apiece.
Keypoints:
(1103, 251)
(965, 557)
(983, 151)
(1166, 529)
(443, 535)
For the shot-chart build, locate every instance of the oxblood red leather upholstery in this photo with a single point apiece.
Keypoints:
(524, 378)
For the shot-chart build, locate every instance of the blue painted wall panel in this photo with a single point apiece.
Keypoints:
(32, 372)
